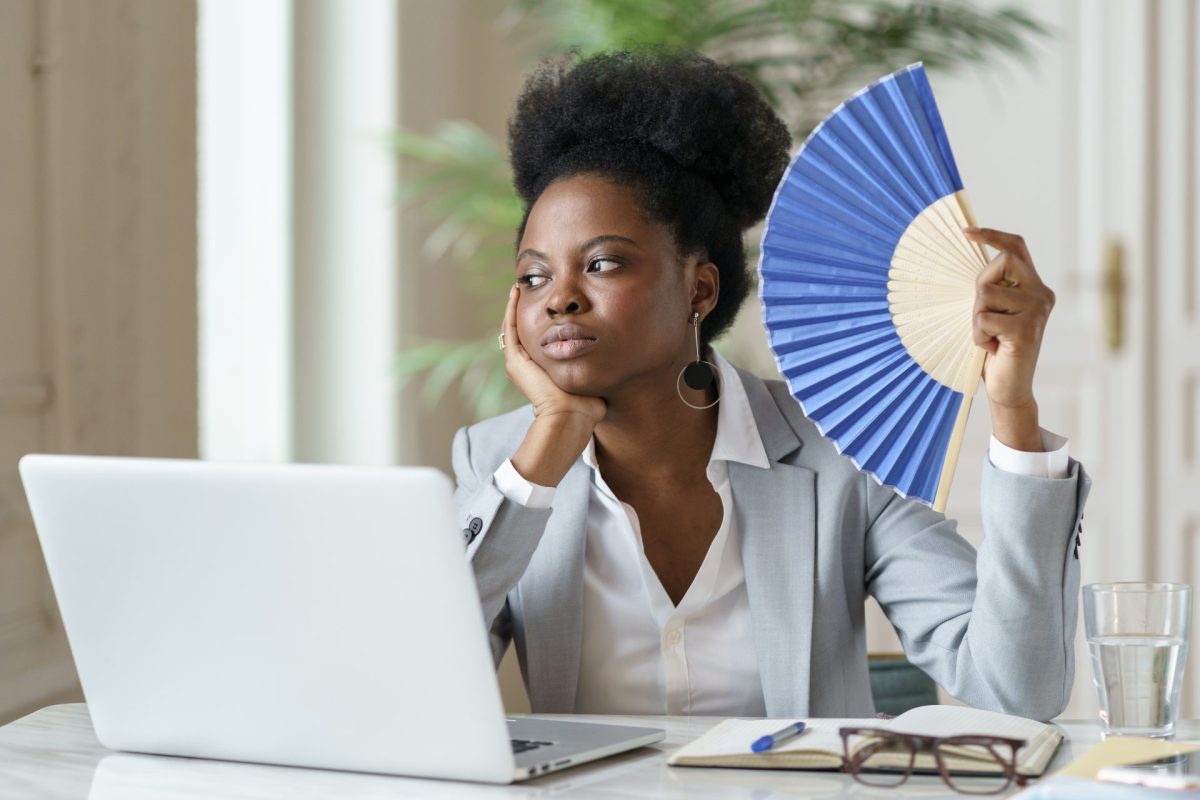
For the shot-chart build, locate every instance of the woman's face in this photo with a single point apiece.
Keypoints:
(605, 296)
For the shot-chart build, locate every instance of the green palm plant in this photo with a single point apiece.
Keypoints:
(803, 55)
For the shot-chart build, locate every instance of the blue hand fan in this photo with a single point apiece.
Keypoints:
(868, 284)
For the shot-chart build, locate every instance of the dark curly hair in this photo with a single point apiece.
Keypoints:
(694, 137)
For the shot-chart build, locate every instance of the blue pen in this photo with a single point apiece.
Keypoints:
(767, 742)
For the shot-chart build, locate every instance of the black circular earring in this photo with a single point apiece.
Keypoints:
(699, 374)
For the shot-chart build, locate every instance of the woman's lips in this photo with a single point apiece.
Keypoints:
(568, 348)
(567, 341)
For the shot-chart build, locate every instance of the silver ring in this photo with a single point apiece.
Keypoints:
(500, 341)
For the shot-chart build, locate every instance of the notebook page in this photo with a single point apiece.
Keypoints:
(957, 721)
(1041, 739)
(734, 737)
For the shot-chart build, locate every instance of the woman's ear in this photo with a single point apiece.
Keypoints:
(706, 288)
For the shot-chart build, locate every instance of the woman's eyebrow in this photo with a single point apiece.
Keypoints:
(531, 252)
(606, 237)
(588, 245)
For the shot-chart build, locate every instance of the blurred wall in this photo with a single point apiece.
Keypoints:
(456, 62)
(98, 268)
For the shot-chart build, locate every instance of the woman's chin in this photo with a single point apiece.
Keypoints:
(578, 378)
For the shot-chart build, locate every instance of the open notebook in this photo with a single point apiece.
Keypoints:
(820, 746)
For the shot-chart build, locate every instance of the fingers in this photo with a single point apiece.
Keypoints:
(989, 328)
(1007, 269)
(509, 327)
(1013, 314)
(522, 371)
(1001, 240)
(1002, 299)
(997, 297)
(1008, 284)
(1012, 268)
(516, 360)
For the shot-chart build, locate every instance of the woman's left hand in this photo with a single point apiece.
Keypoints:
(1011, 308)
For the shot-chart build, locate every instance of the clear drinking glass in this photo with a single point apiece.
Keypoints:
(1137, 635)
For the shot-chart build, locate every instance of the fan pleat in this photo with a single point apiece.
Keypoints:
(831, 194)
(892, 128)
(894, 439)
(830, 339)
(796, 318)
(844, 294)
(935, 428)
(867, 283)
(793, 270)
(905, 446)
(821, 255)
(798, 314)
(915, 142)
(900, 442)
(826, 155)
(915, 85)
(825, 239)
(842, 281)
(888, 167)
(852, 405)
(923, 139)
(878, 443)
(836, 352)
(843, 211)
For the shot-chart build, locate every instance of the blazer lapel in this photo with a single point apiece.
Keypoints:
(551, 597)
(776, 515)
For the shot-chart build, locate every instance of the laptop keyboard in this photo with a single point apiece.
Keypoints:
(523, 745)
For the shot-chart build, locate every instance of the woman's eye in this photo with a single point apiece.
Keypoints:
(603, 265)
(533, 280)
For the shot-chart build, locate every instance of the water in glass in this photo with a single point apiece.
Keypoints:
(1138, 678)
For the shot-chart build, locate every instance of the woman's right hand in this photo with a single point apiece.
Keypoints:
(563, 421)
(534, 382)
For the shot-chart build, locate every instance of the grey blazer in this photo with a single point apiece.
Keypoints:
(994, 628)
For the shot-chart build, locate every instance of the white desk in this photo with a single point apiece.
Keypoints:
(53, 753)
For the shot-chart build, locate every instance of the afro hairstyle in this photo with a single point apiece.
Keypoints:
(694, 138)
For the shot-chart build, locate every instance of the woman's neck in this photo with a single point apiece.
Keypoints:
(650, 435)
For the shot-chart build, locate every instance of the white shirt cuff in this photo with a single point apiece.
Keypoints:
(520, 491)
(1050, 464)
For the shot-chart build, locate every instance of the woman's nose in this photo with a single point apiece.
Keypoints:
(571, 307)
(565, 299)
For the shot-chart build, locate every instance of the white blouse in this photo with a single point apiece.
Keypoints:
(641, 654)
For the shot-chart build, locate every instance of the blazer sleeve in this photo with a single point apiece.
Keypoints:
(501, 537)
(995, 628)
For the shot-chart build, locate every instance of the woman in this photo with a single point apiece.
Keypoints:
(658, 548)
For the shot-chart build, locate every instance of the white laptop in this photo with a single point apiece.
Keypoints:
(312, 616)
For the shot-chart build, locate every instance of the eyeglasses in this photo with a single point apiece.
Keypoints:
(886, 759)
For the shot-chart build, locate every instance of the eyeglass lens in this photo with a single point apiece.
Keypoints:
(968, 764)
(993, 760)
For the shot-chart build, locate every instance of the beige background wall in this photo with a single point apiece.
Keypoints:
(98, 269)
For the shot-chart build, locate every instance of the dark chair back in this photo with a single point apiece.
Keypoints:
(898, 685)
